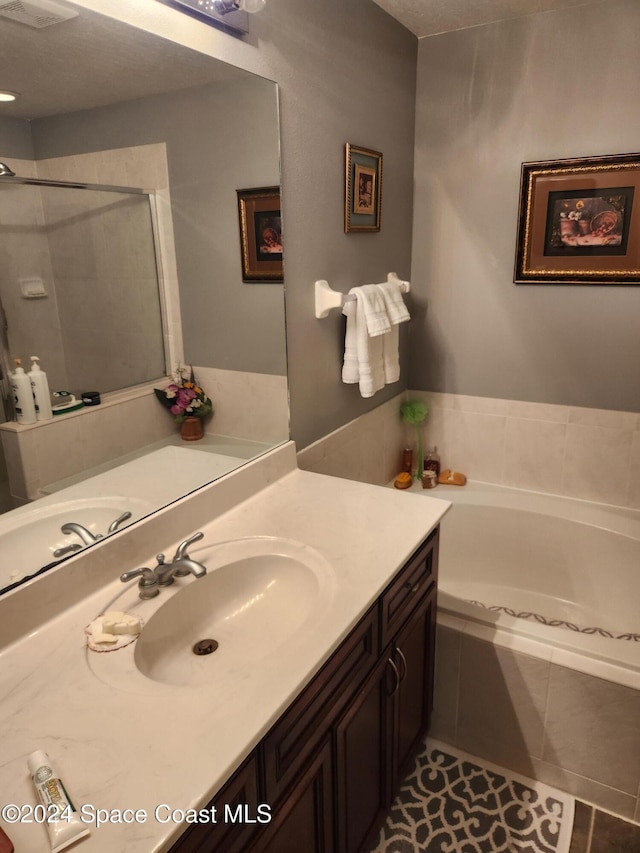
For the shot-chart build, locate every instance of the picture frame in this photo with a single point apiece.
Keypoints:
(363, 189)
(260, 222)
(579, 221)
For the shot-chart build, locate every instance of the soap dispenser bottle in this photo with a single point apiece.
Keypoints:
(40, 388)
(25, 406)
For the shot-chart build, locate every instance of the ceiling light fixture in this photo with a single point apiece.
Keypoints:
(6, 96)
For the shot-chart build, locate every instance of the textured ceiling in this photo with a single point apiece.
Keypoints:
(93, 61)
(428, 17)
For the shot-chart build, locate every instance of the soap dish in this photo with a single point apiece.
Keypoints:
(112, 631)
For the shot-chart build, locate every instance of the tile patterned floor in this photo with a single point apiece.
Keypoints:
(453, 802)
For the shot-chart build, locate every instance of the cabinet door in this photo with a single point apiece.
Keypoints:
(304, 820)
(241, 791)
(363, 753)
(414, 656)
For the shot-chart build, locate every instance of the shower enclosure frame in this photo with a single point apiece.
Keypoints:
(172, 347)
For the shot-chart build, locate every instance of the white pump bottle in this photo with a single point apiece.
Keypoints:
(40, 388)
(22, 395)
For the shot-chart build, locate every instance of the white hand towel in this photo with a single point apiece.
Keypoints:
(363, 355)
(350, 371)
(397, 313)
(394, 303)
(375, 309)
(391, 356)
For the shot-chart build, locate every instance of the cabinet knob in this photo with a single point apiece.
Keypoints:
(414, 587)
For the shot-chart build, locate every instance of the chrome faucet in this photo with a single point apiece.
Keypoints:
(181, 565)
(164, 573)
(86, 535)
(88, 538)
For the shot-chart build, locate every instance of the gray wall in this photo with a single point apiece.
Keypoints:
(346, 73)
(16, 138)
(544, 87)
(226, 324)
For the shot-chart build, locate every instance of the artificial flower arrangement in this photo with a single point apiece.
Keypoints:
(414, 413)
(184, 399)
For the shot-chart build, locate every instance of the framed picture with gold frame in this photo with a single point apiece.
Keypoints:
(260, 234)
(579, 221)
(363, 189)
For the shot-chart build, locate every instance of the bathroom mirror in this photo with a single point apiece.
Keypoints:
(99, 100)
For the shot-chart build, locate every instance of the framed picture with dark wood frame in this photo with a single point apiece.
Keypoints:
(363, 189)
(260, 234)
(579, 221)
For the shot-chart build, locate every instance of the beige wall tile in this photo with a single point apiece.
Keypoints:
(604, 418)
(534, 454)
(58, 450)
(597, 463)
(502, 702)
(584, 789)
(538, 411)
(445, 694)
(633, 493)
(593, 729)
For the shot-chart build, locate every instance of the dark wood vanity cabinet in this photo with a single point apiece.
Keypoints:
(329, 768)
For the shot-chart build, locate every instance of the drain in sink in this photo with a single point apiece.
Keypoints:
(205, 647)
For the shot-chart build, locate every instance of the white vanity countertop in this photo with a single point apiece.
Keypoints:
(143, 744)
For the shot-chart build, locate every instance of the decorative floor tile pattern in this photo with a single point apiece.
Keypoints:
(454, 803)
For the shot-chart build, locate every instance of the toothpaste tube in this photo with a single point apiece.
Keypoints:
(63, 822)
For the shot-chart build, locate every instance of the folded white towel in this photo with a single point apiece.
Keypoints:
(350, 371)
(367, 367)
(394, 303)
(375, 308)
(391, 356)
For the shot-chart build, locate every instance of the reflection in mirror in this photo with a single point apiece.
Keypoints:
(134, 283)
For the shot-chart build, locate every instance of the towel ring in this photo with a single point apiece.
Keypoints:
(327, 299)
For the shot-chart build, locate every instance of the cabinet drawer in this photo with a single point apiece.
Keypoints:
(409, 587)
(298, 733)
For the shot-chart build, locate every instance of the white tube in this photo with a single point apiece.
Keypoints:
(63, 821)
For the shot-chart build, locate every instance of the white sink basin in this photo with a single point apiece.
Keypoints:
(257, 597)
(30, 536)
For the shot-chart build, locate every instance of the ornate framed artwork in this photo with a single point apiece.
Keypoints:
(363, 189)
(260, 234)
(579, 221)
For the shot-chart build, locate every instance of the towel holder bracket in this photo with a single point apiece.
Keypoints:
(327, 299)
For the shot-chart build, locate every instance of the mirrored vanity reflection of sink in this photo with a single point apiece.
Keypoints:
(33, 537)
(258, 597)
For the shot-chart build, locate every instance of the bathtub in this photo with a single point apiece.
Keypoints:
(546, 575)
(538, 639)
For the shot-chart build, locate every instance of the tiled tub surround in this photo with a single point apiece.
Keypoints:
(126, 421)
(110, 764)
(593, 454)
(548, 702)
(529, 704)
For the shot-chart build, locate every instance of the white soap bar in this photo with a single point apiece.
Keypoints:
(116, 622)
(101, 639)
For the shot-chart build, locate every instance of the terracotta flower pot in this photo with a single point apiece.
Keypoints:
(191, 429)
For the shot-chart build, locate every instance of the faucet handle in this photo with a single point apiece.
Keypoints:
(148, 583)
(115, 524)
(181, 552)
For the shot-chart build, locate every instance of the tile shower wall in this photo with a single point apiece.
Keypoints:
(143, 166)
(33, 325)
(593, 454)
